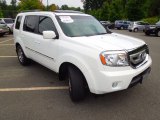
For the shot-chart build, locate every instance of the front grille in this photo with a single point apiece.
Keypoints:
(138, 56)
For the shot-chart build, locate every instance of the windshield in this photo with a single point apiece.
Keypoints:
(8, 20)
(76, 26)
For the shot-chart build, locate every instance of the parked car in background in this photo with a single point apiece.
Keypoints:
(9, 22)
(153, 29)
(121, 24)
(3, 28)
(158, 24)
(137, 26)
(107, 24)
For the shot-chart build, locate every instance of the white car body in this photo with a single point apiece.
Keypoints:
(83, 52)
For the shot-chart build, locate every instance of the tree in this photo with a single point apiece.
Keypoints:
(53, 7)
(30, 5)
(13, 2)
(154, 9)
(64, 7)
(92, 4)
(134, 9)
(1, 14)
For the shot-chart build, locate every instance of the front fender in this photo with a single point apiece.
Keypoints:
(82, 65)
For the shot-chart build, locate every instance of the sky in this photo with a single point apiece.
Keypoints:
(70, 3)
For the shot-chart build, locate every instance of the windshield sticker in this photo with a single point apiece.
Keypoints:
(66, 19)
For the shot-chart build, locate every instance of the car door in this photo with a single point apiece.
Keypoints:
(141, 26)
(29, 35)
(46, 49)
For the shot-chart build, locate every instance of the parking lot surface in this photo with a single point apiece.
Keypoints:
(35, 93)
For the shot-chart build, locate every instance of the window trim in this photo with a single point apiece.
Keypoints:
(35, 31)
(37, 25)
(19, 23)
(56, 32)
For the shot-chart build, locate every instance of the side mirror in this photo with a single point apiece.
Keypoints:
(49, 35)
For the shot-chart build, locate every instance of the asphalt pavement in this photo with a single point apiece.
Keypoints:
(35, 93)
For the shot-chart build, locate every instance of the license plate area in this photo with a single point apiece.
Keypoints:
(139, 78)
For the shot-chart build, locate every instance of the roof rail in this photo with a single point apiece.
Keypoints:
(68, 11)
(37, 10)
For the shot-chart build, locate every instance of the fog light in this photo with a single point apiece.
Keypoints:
(115, 84)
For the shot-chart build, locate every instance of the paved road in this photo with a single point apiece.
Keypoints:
(35, 93)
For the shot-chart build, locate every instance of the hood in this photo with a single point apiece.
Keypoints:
(111, 41)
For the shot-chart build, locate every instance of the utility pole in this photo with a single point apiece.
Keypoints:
(47, 5)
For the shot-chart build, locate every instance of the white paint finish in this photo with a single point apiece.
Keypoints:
(83, 52)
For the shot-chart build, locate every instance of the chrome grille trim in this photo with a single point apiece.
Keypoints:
(138, 57)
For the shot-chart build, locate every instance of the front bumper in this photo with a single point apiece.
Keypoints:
(116, 80)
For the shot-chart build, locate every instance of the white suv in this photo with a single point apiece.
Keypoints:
(77, 46)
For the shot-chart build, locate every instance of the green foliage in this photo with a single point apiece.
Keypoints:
(66, 7)
(151, 20)
(30, 5)
(1, 14)
(134, 10)
(122, 9)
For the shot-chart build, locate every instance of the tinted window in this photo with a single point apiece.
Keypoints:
(18, 22)
(30, 23)
(45, 23)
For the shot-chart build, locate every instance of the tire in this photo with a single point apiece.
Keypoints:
(147, 34)
(121, 27)
(130, 30)
(77, 89)
(135, 29)
(2, 34)
(21, 56)
(158, 33)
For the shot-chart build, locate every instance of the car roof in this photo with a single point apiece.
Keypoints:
(57, 12)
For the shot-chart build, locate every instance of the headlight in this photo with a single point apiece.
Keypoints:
(114, 58)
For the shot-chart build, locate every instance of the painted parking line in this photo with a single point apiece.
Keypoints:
(6, 44)
(8, 56)
(33, 89)
(6, 41)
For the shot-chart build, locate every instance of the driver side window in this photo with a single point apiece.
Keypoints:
(45, 24)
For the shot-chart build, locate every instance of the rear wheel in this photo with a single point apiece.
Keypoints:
(77, 88)
(21, 56)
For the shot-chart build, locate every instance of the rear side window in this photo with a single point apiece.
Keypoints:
(18, 22)
(30, 23)
(45, 24)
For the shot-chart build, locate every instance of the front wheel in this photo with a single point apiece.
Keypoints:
(135, 29)
(21, 56)
(158, 33)
(121, 27)
(147, 33)
(77, 89)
